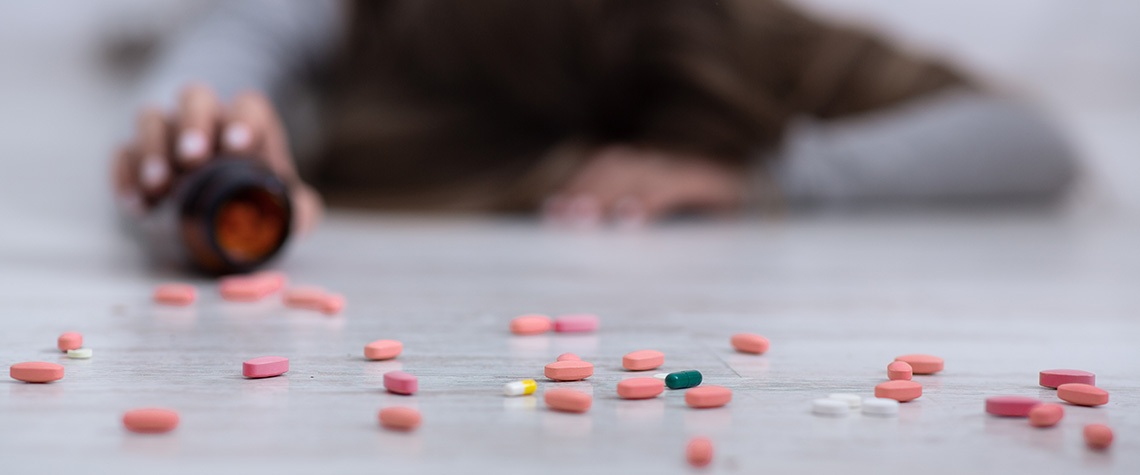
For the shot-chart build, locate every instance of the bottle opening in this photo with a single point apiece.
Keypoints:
(250, 224)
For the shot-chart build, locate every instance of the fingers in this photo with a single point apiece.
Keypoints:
(198, 114)
(253, 129)
(153, 172)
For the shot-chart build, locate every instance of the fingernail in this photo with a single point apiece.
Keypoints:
(191, 146)
(154, 172)
(238, 136)
(629, 213)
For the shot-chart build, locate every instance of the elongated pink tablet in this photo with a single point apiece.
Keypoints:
(383, 349)
(36, 372)
(273, 280)
(533, 324)
(643, 360)
(640, 388)
(576, 322)
(150, 420)
(244, 288)
(175, 294)
(569, 370)
(1011, 406)
(304, 297)
(708, 396)
(1098, 436)
(568, 400)
(400, 418)
(699, 452)
(332, 304)
(400, 382)
(749, 343)
(568, 357)
(900, 390)
(265, 366)
(1046, 415)
(70, 341)
(922, 364)
(1051, 378)
(1082, 394)
(899, 370)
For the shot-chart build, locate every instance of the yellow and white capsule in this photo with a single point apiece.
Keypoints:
(520, 388)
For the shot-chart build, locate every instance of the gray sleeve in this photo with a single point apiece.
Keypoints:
(954, 146)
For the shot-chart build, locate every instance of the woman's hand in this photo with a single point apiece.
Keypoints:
(169, 145)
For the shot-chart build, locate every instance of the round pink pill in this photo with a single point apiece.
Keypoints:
(1011, 406)
(643, 360)
(175, 294)
(400, 382)
(70, 341)
(899, 370)
(1052, 378)
(383, 349)
(640, 388)
(922, 364)
(699, 452)
(1098, 436)
(531, 324)
(1046, 415)
(36, 372)
(568, 400)
(400, 418)
(708, 396)
(265, 367)
(900, 390)
(1082, 394)
(577, 322)
(569, 370)
(568, 357)
(749, 343)
(150, 420)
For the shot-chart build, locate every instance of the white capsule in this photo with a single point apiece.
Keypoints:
(79, 354)
(520, 388)
(830, 407)
(852, 400)
(877, 406)
(661, 376)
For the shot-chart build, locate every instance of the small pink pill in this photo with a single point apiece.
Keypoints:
(531, 324)
(274, 280)
(699, 452)
(400, 382)
(568, 400)
(576, 322)
(900, 390)
(1011, 406)
(244, 288)
(265, 367)
(304, 297)
(400, 418)
(568, 357)
(640, 388)
(1046, 415)
(569, 370)
(1082, 394)
(643, 360)
(922, 364)
(383, 349)
(1098, 436)
(708, 396)
(749, 343)
(150, 420)
(175, 294)
(332, 304)
(36, 372)
(899, 370)
(70, 341)
(1055, 377)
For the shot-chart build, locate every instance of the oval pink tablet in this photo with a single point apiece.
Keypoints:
(1052, 378)
(150, 420)
(699, 452)
(1082, 394)
(899, 370)
(900, 390)
(640, 388)
(1098, 436)
(400, 418)
(569, 370)
(244, 288)
(568, 357)
(708, 396)
(922, 364)
(304, 297)
(1046, 415)
(332, 304)
(273, 280)
(383, 349)
(36, 372)
(265, 366)
(643, 360)
(1011, 406)
(533, 324)
(576, 322)
(749, 343)
(70, 341)
(400, 382)
(175, 294)
(568, 400)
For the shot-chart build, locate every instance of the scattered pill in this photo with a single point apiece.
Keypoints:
(830, 407)
(708, 396)
(265, 367)
(400, 382)
(1055, 377)
(70, 341)
(332, 304)
(531, 325)
(383, 349)
(569, 370)
(643, 360)
(640, 388)
(922, 364)
(400, 418)
(273, 280)
(245, 288)
(683, 379)
(1082, 394)
(520, 388)
(1011, 406)
(150, 420)
(175, 294)
(749, 343)
(876, 406)
(699, 452)
(1098, 436)
(901, 391)
(575, 323)
(899, 370)
(568, 357)
(36, 372)
(1046, 415)
(304, 297)
(568, 400)
(852, 400)
(79, 354)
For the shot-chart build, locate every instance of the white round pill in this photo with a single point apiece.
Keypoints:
(830, 407)
(79, 354)
(877, 406)
(852, 400)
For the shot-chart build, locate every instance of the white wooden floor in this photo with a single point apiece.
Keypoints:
(1000, 297)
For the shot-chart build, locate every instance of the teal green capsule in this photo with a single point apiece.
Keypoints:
(683, 379)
